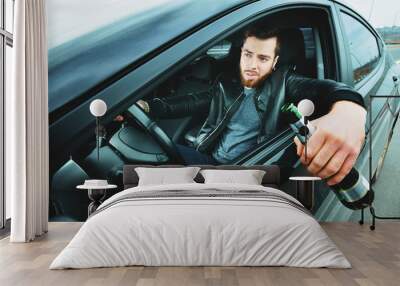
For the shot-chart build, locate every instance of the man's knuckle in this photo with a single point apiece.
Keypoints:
(317, 164)
(336, 164)
(331, 169)
(335, 181)
(342, 174)
(351, 151)
(323, 173)
(312, 167)
(311, 170)
(310, 152)
(337, 141)
(354, 151)
(315, 167)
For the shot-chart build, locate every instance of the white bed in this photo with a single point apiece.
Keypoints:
(224, 225)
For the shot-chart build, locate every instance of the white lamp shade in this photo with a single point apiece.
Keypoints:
(98, 107)
(306, 107)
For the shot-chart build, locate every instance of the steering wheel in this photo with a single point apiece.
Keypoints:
(157, 133)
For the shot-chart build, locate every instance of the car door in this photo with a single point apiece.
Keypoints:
(369, 68)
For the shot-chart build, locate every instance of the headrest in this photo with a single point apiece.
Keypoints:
(201, 68)
(292, 48)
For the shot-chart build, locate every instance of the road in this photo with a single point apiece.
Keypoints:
(395, 51)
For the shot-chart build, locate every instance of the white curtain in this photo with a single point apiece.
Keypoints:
(27, 169)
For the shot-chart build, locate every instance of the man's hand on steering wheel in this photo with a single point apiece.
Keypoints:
(143, 105)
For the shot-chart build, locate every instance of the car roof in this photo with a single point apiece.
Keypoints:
(80, 64)
(349, 5)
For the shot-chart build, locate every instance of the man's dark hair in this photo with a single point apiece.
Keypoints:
(263, 34)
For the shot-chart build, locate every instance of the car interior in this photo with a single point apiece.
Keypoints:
(150, 138)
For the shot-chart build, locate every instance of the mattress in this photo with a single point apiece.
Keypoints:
(201, 225)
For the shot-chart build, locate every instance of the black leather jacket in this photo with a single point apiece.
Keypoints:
(282, 86)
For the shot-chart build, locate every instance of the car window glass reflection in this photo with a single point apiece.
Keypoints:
(363, 47)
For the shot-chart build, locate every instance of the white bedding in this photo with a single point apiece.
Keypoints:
(189, 230)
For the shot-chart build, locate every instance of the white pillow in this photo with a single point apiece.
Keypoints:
(248, 177)
(163, 176)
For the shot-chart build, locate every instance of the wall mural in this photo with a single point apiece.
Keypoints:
(127, 86)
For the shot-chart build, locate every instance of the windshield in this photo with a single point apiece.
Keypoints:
(105, 36)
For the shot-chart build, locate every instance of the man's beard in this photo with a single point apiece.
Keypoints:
(253, 83)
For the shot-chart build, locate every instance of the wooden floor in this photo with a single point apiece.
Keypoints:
(375, 257)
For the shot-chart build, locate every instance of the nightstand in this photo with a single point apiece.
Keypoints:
(305, 190)
(96, 195)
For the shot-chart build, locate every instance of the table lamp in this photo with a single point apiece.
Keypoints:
(98, 108)
(306, 109)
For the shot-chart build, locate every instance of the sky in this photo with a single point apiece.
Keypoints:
(380, 13)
